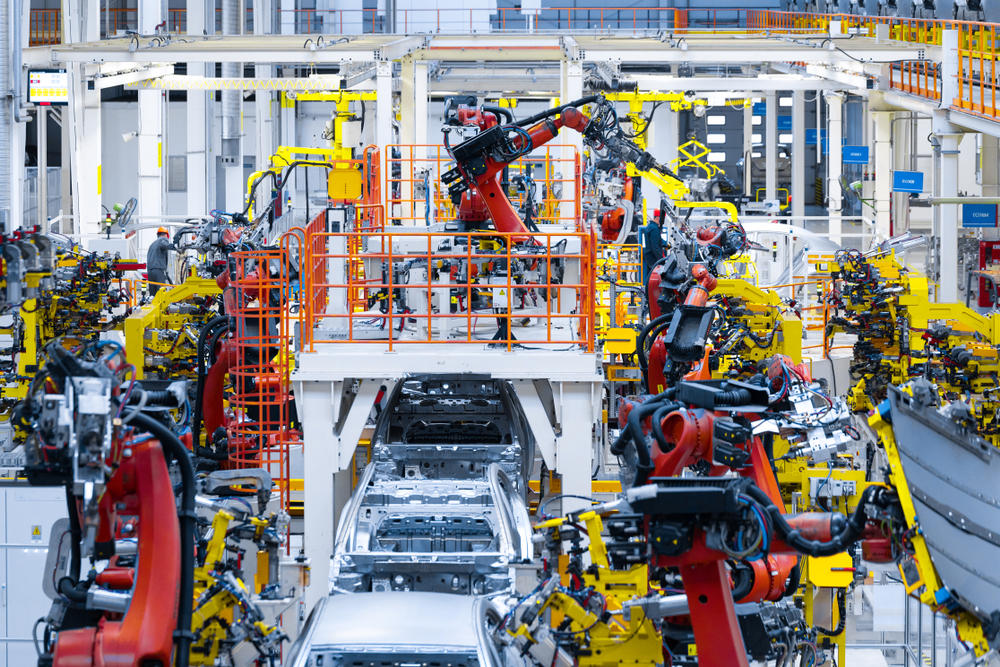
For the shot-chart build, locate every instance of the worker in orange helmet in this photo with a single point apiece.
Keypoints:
(157, 259)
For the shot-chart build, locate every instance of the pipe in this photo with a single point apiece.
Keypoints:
(939, 201)
(172, 446)
(6, 118)
(231, 99)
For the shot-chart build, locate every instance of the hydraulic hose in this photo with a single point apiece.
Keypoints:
(794, 577)
(203, 336)
(75, 534)
(743, 579)
(733, 398)
(842, 620)
(500, 111)
(216, 335)
(174, 448)
(641, 350)
(657, 424)
(635, 418)
(76, 591)
(531, 120)
(844, 532)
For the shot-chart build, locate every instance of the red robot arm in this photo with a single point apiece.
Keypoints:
(480, 168)
(145, 636)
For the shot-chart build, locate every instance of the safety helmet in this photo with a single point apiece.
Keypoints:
(163, 230)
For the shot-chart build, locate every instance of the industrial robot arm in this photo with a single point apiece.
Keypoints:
(481, 159)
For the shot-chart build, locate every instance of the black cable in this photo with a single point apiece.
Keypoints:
(531, 120)
(794, 577)
(635, 418)
(203, 336)
(216, 335)
(657, 425)
(307, 194)
(75, 533)
(842, 616)
(643, 365)
(500, 111)
(173, 447)
(843, 531)
(645, 127)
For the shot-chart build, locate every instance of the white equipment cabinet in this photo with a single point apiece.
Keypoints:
(25, 521)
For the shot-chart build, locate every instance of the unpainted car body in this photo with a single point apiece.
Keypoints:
(377, 629)
(441, 506)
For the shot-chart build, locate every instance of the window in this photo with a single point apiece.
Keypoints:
(785, 102)
(177, 173)
(756, 138)
(717, 157)
(757, 120)
(716, 120)
(785, 138)
(716, 138)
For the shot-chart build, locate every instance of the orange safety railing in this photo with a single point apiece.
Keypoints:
(44, 27)
(261, 430)
(977, 60)
(416, 195)
(467, 296)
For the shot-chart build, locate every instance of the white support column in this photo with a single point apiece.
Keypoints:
(991, 165)
(420, 92)
(406, 111)
(287, 19)
(571, 89)
(948, 177)
(328, 452)
(834, 162)
(411, 212)
(579, 411)
(883, 172)
(42, 143)
(198, 121)
(150, 153)
(264, 104)
(798, 154)
(85, 128)
(150, 139)
(288, 138)
(233, 23)
(383, 112)
(747, 145)
(66, 159)
(771, 145)
(946, 170)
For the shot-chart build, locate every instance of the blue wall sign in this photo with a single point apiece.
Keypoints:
(759, 108)
(979, 215)
(811, 136)
(785, 123)
(908, 181)
(855, 155)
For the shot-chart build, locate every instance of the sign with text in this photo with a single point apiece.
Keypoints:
(979, 215)
(759, 108)
(855, 155)
(785, 123)
(812, 134)
(908, 181)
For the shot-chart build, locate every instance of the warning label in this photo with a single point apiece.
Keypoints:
(36, 533)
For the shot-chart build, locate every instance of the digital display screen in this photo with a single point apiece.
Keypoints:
(47, 87)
